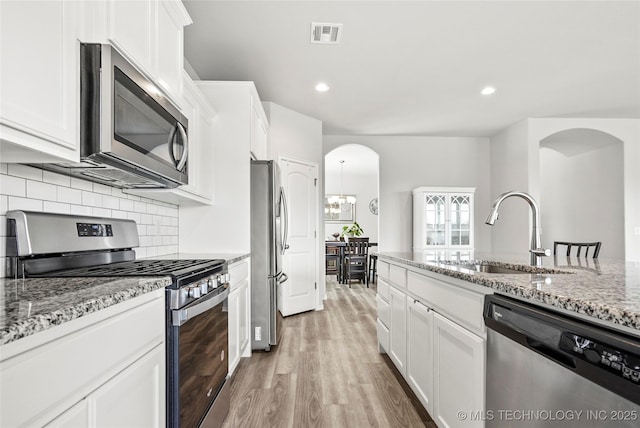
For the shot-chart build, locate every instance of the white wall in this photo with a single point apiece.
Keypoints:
(26, 188)
(509, 171)
(515, 161)
(224, 227)
(568, 213)
(410, 162)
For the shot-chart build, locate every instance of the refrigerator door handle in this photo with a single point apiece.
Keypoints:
(285, 217)
(282, 278)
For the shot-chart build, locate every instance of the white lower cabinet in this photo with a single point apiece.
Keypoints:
(458, 366)
(420, 352)
(398, 329)
(103, 369)
(239, 313)
(433, 336)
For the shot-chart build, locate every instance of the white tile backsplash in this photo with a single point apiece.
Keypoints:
(26, 188)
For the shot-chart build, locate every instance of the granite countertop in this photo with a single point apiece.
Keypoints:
(606, 290)
(28, 306)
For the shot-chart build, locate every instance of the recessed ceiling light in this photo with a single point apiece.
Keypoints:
(488, 90)
(322, 87)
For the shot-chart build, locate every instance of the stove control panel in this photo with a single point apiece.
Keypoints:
(94, 229)
(191, 292)
(620, 363)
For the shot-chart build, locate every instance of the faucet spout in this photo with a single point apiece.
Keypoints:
(536, 243)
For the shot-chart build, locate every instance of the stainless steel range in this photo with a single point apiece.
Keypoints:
(57, 245)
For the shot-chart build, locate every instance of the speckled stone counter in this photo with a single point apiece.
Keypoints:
(231, 258)
(608, 291)
(28, 306)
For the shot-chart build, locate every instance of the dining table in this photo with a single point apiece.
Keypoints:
(340, 247)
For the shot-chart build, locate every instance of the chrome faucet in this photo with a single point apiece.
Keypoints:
(536, 245)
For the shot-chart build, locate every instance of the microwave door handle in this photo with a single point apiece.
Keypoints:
(172, 143)
(185, 151)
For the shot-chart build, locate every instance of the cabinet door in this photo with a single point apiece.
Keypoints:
(459, 371)
(39, 81)
(398, 329)
(420, 352)
(76, 416)
(168, 49)
(243, 314)
(130, 30)
(134, 397)
(234, 329)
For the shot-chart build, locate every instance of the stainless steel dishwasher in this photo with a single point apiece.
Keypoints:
(548, 369)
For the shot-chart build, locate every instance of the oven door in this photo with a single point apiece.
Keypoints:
(198, 367)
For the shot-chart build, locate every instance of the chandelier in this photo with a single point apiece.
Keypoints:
(337, 201)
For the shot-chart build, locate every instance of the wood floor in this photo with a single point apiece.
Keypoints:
(326, 372)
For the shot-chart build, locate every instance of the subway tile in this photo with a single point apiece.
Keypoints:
(165, 221)
(78, 183)
(133, 197)
(25, 204)
(174, 221)
(101, 188)
(41, 190)
(152, 252)
(3, 225)
(146, 219)
(152, 209)
(157, 240)
(55, 178)
(80, 210)
(69, 195)
(3, 249)
(174, 240)
(140, 207)
(142, 229)
(13, 186)
(146, 241)
(101, 212)
(4, 204)
(3, 168)
(110, 202)
(118, 193)
(152, 229)
(91, 199)
(126, 205)
(56, 207)
(166, 240)
(119, 214)
(140, 252)
(134, 216)
(25, 171)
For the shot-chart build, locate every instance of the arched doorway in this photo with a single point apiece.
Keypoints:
(582, 189)
(357, 176)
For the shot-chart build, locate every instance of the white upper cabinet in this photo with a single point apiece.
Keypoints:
(150, 33)
(442, 218)
(39, 82)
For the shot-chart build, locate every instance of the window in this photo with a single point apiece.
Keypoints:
(442, 218)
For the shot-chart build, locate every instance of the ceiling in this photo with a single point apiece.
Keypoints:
(417, 67)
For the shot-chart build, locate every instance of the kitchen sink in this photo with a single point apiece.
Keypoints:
(478, 267)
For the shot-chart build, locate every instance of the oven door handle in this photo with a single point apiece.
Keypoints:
(181, 316)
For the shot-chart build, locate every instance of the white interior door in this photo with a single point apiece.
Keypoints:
(300, 260)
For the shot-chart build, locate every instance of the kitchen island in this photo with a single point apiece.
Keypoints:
(608, 292)
(431, 325)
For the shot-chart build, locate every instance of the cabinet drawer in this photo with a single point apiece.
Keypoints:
(383, 269)
(458, 304)
(238, 272)
(383, 289)
(398, 276)
(383, 335)
(38, 384)
(383, 311)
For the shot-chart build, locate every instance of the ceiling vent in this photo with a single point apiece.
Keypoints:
(325, 33)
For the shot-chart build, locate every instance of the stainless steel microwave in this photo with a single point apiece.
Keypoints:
(131, 136)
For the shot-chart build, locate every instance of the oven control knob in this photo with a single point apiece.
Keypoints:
(227, 277)
(194, 291)
(220, 279)
(211, 283)
(203, 287)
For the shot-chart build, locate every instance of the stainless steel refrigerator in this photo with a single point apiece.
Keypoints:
(268, 244)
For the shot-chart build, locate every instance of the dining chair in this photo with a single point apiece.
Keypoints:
(580, 246)
(356, 255)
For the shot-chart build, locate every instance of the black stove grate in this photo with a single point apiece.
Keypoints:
(173, 268)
